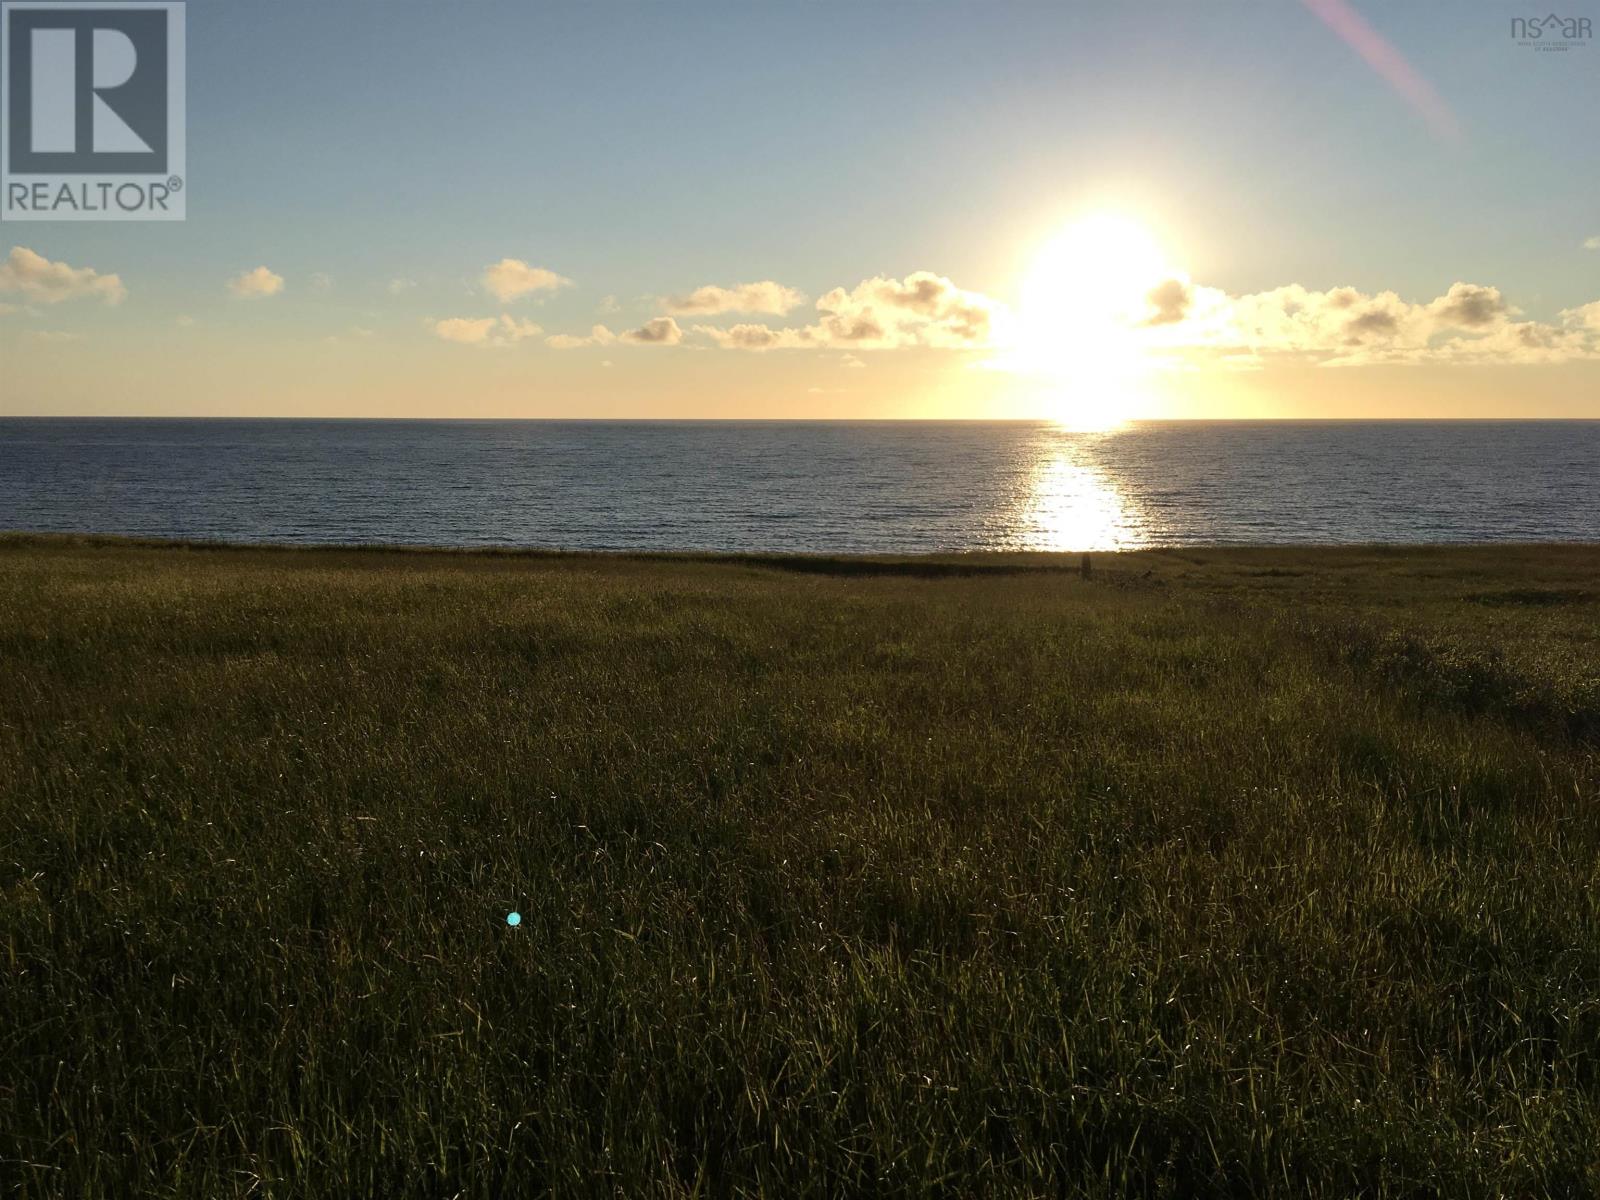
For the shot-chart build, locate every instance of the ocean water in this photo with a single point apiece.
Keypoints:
(889, 487)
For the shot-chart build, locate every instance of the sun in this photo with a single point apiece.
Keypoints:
(1084, 306)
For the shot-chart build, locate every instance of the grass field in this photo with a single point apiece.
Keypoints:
(1219, 873)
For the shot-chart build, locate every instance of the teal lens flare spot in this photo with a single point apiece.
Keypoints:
(514, 919)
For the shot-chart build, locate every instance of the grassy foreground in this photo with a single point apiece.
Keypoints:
(1223, 872)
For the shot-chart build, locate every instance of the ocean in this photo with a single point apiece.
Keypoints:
(804, 486)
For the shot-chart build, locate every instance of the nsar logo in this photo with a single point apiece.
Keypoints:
(92, 111)
(1551, 32)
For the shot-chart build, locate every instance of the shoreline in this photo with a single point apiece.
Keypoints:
(1045, 559)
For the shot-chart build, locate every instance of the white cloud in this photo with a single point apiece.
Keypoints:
(468, 331)
(658, 331)
(1341, 327)
(599, 335)
(1592, 243)
(46, 282)
(486, 332)
(321, 281)
(1187, 324)
(397, 286)
(1468, 306)
(184, 321)
(510, 278)
(608, 305)
(1585, 316)
(921, 310)
(253, 285)
(757, 337)
(1340, 322)
(764, 297)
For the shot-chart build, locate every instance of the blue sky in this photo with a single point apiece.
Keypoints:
(642, 150)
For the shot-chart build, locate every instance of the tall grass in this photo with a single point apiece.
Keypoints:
(1220, 873)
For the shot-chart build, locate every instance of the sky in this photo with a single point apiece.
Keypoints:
(881, 208)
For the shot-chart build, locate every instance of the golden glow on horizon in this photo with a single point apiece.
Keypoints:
(1083, 303)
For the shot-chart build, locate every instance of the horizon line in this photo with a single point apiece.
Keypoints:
(1066, 425)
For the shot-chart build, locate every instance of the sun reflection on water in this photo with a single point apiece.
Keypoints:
(1073, 504)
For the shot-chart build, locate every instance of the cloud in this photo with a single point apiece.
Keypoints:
(608, 305)
(52, 336)
(45, 282)
(1374, 322)
(1469, 306)
(253, 285)
(599, 335)
(1170, 302)
(755, 337)
(485, 332)
(1294, 320)
(658, 331)
(321, 281)
(1592, 243)
(1341, 327)
(466, 330)
(183, 321)
(510, 278)
(1185, 324)
(1585, 316)
(921, 310)
(764, 297)
(397, 286)
(1180, 323)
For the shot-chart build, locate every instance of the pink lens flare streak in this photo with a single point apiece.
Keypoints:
(1388, 62)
